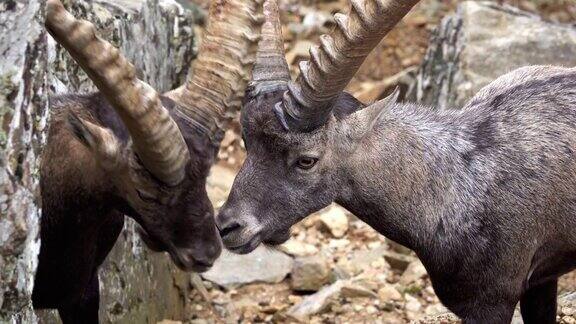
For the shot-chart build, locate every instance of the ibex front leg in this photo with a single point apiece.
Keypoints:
(538, 304)
(86, 310)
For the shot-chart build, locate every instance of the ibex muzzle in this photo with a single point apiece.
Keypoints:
(485, 195)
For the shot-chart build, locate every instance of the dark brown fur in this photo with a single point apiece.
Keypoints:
(84, 203)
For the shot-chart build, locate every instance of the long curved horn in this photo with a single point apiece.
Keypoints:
(213, 93)
(308, 102)
(155, 135)
(271, 65)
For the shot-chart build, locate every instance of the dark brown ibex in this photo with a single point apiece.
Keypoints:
(129, 151)
(485, 195)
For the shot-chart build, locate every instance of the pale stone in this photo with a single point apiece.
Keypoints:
(435, 309)
(345, 269)
(338, 244)
(335, 220)
(310, 273)
(218, 184)
(298, 248)
(351, 290)
(299, 51)
(413, 272)
(398, 261)
(568, 320)
(568, 311)
(261, 265)
(412, 304)
(23, 103)
(388, 293)
(315, 303)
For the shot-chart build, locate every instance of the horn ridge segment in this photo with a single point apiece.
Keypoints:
(156, 138)
(308, 102)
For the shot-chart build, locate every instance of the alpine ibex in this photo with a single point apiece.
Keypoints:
(485, 195)
(129, 151)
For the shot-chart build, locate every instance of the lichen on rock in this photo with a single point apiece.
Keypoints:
(23, 114)
(481, 42)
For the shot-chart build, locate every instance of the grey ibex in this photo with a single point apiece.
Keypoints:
(485, 195)
(129, 151)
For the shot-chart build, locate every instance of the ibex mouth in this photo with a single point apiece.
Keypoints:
(182, 258)
(189, 264)
(277, 238)
(246, 247)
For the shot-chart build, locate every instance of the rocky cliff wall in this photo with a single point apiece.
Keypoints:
(157, 36)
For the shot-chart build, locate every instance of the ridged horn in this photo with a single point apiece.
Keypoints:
(308, 102)
(271, 65)
(213, 93)
(155, 136)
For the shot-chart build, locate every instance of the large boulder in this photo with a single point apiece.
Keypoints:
(481, 42)
(137, 286)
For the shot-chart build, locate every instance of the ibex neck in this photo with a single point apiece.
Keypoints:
(402, 180)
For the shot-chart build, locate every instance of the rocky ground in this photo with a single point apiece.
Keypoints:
(335, 268)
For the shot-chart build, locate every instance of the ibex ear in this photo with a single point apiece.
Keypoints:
(101, 141)
(369, 115)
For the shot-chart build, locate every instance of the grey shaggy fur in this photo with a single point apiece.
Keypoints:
(485, 195)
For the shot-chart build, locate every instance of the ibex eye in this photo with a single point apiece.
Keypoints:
(306, 162)
(146, 196)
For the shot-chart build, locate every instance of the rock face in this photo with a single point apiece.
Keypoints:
(157, 37)
(481, 42)
(137, 286)
(23, 115)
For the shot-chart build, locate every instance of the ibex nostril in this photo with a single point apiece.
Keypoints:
(229, 228)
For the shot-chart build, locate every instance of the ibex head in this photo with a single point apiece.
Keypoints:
(300, 136)
(158, 177)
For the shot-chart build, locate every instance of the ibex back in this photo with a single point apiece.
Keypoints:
(485, 195)
(128, 150)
